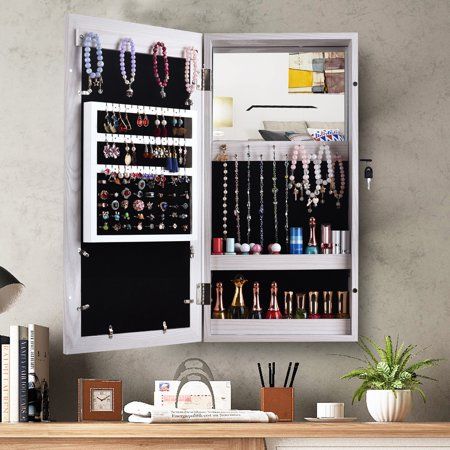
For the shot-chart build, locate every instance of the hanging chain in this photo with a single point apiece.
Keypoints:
(249, 217)
(286, 198)
(275, 191)
(236, 199)
(261, 201)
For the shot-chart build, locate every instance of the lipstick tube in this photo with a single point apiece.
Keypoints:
(327, 245)
(300, 312)
(313, 305)
(288, 297)
(345, 242)
(336, 240)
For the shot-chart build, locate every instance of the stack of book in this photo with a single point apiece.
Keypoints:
(24, 375)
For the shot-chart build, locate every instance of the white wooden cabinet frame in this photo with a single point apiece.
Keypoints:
(202, 327)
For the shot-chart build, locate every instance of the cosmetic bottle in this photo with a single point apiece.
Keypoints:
(336, 240)
(326, 245)
(295, 241)
(345, 242)
(327, 305)
(256, 312)
(288, 310)
(300, 312)
(311, 248)
(238, 310)
(343, 311)
(219, 311)
(274, 311)
(314, 305)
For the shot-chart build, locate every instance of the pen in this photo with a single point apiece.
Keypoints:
(287, 374)
(273, 374)
(294, 373)
(261, 375)
(270, 374)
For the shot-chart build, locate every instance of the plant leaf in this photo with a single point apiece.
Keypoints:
(421, 364)
(425, 377)
(366, 349)
(422, 394)
(388, 351)
(383, 367)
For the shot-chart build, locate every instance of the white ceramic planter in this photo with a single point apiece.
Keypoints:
(385, 406)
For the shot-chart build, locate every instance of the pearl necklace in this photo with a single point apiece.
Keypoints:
(275, 191)
(161, 84)
(286, 201)
(249, 217)
(95, 78)
(127, 43)
(190, 72)
(306, 159)
(236, 199)
(261, 201)
(340, 194)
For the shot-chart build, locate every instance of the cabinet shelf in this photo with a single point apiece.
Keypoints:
(280, 262)
(284, 330)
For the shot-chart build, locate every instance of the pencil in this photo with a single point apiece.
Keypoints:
(261, 375)
(294, 373)
(287, 374)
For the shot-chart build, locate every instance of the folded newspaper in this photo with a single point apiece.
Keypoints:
(145, 413)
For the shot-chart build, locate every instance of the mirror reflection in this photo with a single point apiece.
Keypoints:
(279, 96)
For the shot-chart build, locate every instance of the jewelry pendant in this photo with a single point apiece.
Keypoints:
(163, 94)
(188, 101)
(130, 91)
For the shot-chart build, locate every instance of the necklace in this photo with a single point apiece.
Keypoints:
(249, 217)
(286, 198)
(275, 191)
(190, 72)
(236, 199)
(95, 78)
(330, 170)
(261, 201)
(222, 156)
(128, 43)
(161, 84)
(306, 159)
(297, 186)
(340, 194)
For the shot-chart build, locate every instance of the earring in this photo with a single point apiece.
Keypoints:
(157, 131)
(164, 129)
(145, 121)
(122, 125)
(139, 120)
(107, 150)
(133, 154)
(174, 126)
(106, 122)
(127, 155)
(127, 122)
(114, 123)
(181, 129)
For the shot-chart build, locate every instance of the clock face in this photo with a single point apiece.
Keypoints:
(102, 400)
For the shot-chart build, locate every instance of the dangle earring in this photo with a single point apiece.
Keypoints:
(175, 166)
(164, 129)
(115, 122)
(133, 154)
(107, 149)
(174, 126)
(146, 152)
(127, 122)
(122, 125)
(106, 122)
(127, 155)
(181, 130)
(145, 121)
(157, 130)
(139, 120)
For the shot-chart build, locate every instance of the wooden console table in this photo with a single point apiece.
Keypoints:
(234, 436)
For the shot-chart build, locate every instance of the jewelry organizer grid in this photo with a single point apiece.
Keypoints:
(91, 168)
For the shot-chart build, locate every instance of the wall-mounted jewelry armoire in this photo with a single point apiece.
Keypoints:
(211, 186)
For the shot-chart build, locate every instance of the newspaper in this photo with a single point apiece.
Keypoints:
(144, 413)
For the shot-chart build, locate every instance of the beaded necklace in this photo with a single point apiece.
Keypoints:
(95, 78)
(286, 200)
(249, 217)
(275, 191)
(236, 199)
(162, 84)
(190, 72)
(261, 201)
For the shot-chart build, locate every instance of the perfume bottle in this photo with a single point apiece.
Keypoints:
(300, 312)
(288, 312)
(327, 305)
(256, 312)
(219, 311)
(238, 310)
(314, 305)
(326, 245)
(274, 311)
(343, 311)
(311, 248)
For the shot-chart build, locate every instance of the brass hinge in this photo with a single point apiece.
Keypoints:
(203, 294)
(206, 79)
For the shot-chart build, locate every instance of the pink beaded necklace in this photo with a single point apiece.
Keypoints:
(190, 72)
(161, 84)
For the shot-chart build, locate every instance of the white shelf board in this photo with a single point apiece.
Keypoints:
(294, 330)
(280, 262)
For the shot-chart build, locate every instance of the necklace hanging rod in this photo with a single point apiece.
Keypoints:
(265, 149)
(143, 109)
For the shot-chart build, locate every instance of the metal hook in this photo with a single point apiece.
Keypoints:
(164, 324)
(83, 253)
(83, 307)
(110, 332)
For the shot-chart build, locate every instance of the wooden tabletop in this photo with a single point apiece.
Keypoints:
(223, 430)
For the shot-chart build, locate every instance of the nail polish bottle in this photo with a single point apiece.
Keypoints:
(219, 311)
(313, 305)
(343, 310)
(311, 248)
(300, 312)
(256, 312)
(288, 307)
(327, 305)
(274, 311)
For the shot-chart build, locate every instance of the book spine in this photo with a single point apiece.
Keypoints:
(23, 380)
(5, 383)
(32, 388)
(14, 374)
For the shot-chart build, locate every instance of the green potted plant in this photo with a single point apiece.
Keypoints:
(389, 376)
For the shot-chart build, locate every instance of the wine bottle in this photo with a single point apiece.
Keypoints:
(256, 308)
(274, 311)
(238, 310)
(300, 312)
(311, 248)
(219, 311)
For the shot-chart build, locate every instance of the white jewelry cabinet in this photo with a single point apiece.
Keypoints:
(112, 286)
